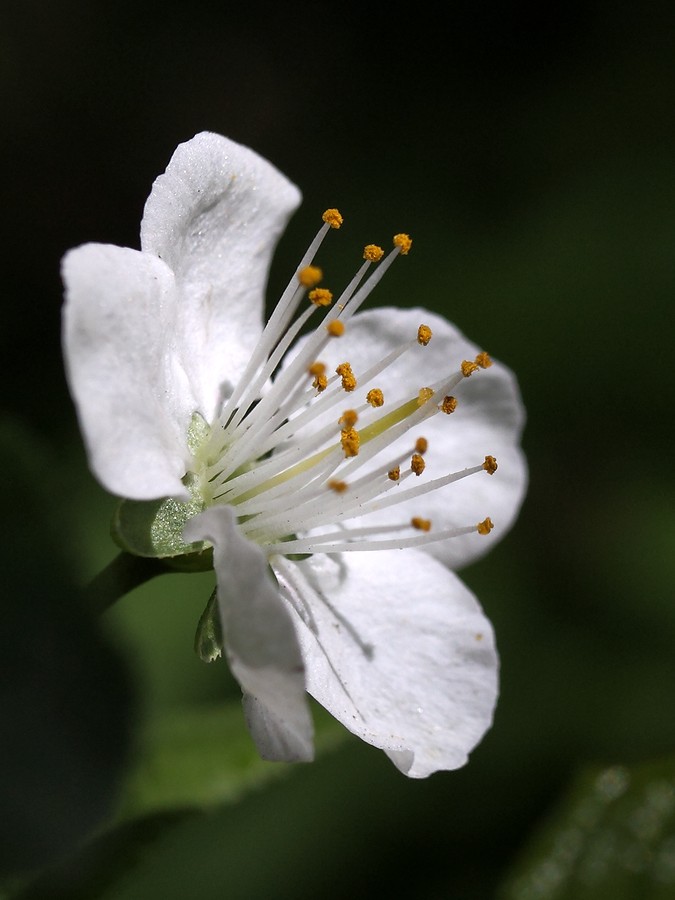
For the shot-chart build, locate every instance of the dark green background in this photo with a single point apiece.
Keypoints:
(532, 159)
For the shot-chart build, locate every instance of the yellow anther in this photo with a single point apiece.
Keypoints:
(421, 524)
(321, 297)
(336, 328)
(424, 395)
(449, 405)
(403, 242)
(490, 465)
(332, 217)
(310, 276)
(344, 370)
(375, 397)
(318, 370)
(395, 474)
(424, 335)
(421, 445)
(417, 464)
(338, 486)
(348, 418)
(483, 360)
(485, 527)
(468, 368)
(350, 440)
(373, 253)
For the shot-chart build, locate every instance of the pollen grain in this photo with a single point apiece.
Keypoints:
(336, 328)
(375, 397)
(424, 335)
(310, 276)
(373, 253)
(333, 218)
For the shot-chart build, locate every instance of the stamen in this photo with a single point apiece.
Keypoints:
(344, 370)
(424, 334)
(373, 253)
(421, 445)
(385, 500)
(449, 405)
(375, 397)
(319, 543)
(417, 464)
(321, 297)
(421, 524)
(333, 218)
(350, 440)
(490, 465)
(425, 394)
(336, 328)
(317, 368)
(310, 276)
(277, 324)
(348, 418)
(282, 474)
(403, 242)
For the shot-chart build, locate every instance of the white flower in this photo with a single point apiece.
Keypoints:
(285, 467)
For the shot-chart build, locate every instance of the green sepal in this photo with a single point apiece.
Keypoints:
(153, 528)
(209, 635)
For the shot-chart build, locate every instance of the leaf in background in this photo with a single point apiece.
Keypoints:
(613, 837)
(191, 766)
(65, 700)
(204, 757)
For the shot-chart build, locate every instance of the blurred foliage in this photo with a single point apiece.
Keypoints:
(531, 158)
(614, 836)
(66, 701)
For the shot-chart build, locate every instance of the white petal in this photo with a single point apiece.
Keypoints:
(275, 735)
(259, 638)
(488, 420)
(400, 652)
(132, 399)
(215, 217)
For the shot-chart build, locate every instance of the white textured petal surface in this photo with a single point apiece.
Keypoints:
(276, 737)
(400, 652)
(131, 396)
(215, 217)
(259, 639)
(488, 420)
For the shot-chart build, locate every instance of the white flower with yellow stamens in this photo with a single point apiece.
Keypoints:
(332, 479)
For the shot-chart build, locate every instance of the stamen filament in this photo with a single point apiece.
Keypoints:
(312, 545)
(285, 308)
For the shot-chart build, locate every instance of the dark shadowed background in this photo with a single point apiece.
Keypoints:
(531, 155)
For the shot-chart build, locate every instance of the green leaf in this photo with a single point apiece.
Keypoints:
(612, 837)
(66, 700)
(204, 757)
(192, 768)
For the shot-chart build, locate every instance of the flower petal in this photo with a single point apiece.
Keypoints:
(259, 639)
(215, 217)
(488, 420)
(399, 651)
(132, 398)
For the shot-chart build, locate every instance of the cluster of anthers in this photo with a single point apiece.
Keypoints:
(293, 480)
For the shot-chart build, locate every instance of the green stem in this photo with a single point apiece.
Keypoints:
(122, 574)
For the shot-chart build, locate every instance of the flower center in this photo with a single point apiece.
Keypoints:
(300, 454)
